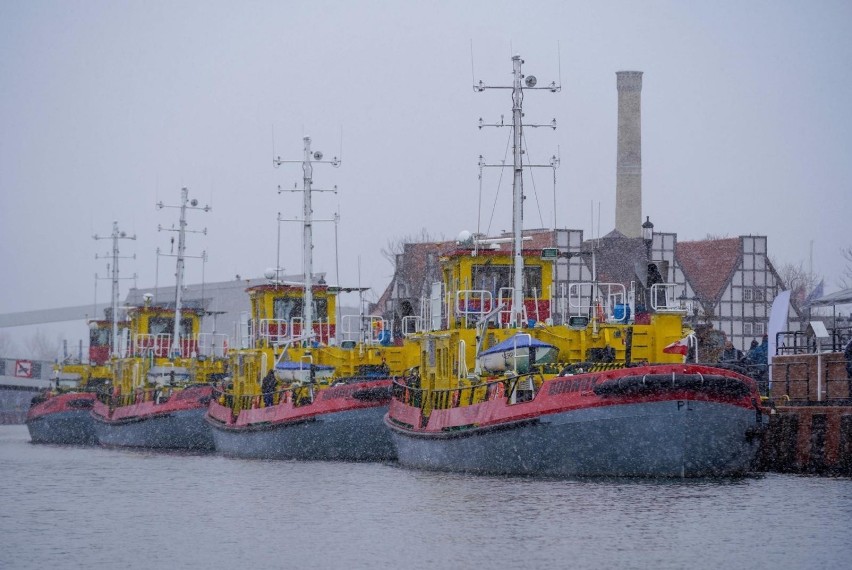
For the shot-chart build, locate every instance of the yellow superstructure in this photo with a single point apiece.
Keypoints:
(277, 337)
(474, 316)
(78, 373)
(150, 357)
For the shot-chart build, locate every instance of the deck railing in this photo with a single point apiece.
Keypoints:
(370, 329)
(277, 332)
(597, 299)
(212, 345)
(515, 390)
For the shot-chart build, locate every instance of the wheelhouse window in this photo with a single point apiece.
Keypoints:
(100, 337)
(286, 308)
(320, 308)
(166, 325)
(495, 277)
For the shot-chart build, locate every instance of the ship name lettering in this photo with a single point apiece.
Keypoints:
(571, 385)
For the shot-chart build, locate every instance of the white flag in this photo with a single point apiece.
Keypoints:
(777, 323)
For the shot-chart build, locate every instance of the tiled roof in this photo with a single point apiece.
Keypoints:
(709, 264)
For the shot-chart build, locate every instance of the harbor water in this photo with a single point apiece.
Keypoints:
(77, 507)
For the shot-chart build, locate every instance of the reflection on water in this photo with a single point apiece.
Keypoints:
(106, 508)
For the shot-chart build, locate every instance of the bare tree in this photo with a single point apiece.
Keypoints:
(39, 347)
(714, 237)
(796, 279)
(396, 245)
(7, 346)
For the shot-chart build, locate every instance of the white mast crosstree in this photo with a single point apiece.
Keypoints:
(115, 236)
(307, 162)
(185, 204)
(519, 85)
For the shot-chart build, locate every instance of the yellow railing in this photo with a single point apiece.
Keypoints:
(158, 395)
(516, 389)
(299, 395)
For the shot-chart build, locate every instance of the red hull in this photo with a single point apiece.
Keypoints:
(568, 393)
(68, 402)
(63, 419)
(186, 399)
(335, 399)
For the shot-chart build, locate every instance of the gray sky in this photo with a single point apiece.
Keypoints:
(108, 107)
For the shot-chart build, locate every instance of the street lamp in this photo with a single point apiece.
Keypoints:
(648, 235)
(690, 305)
(648, 238)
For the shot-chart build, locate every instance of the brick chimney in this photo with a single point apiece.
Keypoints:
(628, 173)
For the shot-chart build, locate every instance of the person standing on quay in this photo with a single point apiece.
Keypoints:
(731, 354)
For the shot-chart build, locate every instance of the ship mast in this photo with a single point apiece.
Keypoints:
(307, 162)
(180, 266)
(517, 193)
(115, 236)
(308, 240)
(185, 204)
(519, 84)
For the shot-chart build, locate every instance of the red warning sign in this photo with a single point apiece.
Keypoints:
(24, 368)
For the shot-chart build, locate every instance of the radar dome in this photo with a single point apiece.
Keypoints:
(270, 273)
(465, 238)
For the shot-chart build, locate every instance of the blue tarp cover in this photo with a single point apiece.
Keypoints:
(519, 341)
